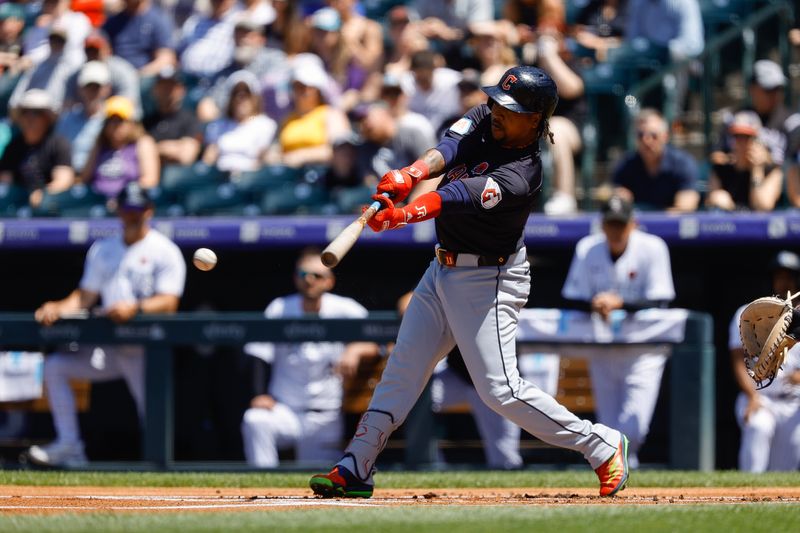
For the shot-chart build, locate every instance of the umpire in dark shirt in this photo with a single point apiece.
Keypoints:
(657, 176)
(176, 130)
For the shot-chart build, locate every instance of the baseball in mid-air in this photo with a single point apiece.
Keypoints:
(204, 259)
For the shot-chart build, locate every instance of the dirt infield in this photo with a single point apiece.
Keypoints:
(51, 500)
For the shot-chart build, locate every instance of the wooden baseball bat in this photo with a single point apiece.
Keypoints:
(341, 244)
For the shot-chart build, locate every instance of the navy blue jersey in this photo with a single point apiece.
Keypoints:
(487, 191)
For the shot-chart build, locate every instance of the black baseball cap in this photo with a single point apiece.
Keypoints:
(786, 260)
(617, 209)
(133, 196)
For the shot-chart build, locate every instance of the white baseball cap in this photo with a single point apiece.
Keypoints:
(311, 75)
(36, 99)
(768, 74)
(94, 72)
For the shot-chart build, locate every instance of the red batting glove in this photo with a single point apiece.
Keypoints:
(427, 206)
(398, 183)
(389, 217)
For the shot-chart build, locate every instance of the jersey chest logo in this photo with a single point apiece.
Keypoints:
(456, 173)
(491, 194)
(480, 168)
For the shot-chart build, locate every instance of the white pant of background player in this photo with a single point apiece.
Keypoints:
(626, 381)
(478, 308)
(102, 363)
(315, 435)
(771, 436)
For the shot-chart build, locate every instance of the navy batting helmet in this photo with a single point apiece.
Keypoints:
(525, 90)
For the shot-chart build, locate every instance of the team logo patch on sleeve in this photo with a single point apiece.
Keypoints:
(491, 194)
(461, 126)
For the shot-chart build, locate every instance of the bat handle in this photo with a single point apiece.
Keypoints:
(373, 208)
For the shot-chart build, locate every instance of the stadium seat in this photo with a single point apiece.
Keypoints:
(177, 179)
(12, 197)
(350, 200)
(77, 201)
(223, 199)
(301, 198)
(256, 182)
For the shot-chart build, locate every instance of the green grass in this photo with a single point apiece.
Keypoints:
(412, 480)
(566, 519)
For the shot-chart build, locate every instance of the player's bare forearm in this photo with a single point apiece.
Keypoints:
(435, 161)
(159, 303)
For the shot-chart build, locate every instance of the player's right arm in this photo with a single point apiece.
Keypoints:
(78, 300)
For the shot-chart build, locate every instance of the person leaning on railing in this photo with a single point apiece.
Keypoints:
(139, 271)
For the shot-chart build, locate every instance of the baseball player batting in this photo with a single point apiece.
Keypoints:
(472, 292)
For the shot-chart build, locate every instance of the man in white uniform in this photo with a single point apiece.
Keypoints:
(303, 405)
(622, 268)
(770, 417)
(138, 271)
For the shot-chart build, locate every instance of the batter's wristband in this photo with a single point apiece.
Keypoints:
(421, 169)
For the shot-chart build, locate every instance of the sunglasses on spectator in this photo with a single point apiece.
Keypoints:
(303, 274)
(641, 134)
(743, 136)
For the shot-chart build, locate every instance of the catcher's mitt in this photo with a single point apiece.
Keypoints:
(763, 328)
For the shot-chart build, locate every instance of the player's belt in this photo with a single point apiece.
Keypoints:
(455, 259)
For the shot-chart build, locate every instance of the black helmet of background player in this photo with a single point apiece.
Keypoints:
(525, 90)
(785, 271)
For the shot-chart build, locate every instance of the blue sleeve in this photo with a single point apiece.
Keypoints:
(688, 173)
(164, 31)
(448, 147)
(456, 198)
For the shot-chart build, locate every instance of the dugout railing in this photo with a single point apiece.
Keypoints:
(691, 383)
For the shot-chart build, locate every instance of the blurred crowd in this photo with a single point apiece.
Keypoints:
(299, 106)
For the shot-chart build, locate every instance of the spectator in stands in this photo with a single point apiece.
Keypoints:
(565, 122)
(140, 271)
(780, 131)
(600, 25)
(362, 37)
(124, 78)
(747, 179)
(239, 141)
(301, 407)
(675, 25)
(250, 53)
(447, 22)
(307, 134)
(142, 35)
(206, 43)
(657, 175)
(83, 122)
(123, 152)
(432, 89)
(329, 43)
(50, 74)
(287, 32)
(75, 27)
(389, 142)
(490, 46)
(393, 95)
(470, 95)
(405, 40)
(12, 22)
(37, 159)
(257, 12)
(622, 268)
(176, 130)
(770, 417)
(533, 17)
(343, 172)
